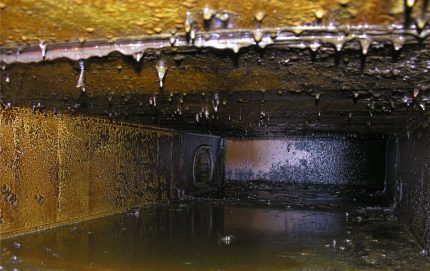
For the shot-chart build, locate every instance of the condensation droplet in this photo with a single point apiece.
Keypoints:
(416, 93)
(421, 22)
(153, 101)
(138, 56)
(223, 16)
(179, 110)
(236, 48)
(188, 24)
(297, 31)
(407, 100)
(398, 42)
(43, 47)
(343, 2)
(319, 14)
(257, 35)
(365, 43)
(90, 29)
(339, 41)
(215, 102)
(161, 72)
(208, 13)
(259, 16)
(356, 94)
(410, 3)
(314, 46)
(192, 34)
(317, 97)
(81, 78)
(172, 40)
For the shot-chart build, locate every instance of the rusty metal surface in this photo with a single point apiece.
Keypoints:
(409, 179)
(57, 170)
(308, 160)
(51, 21)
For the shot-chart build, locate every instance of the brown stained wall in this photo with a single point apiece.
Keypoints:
(30, 21)
(56, 170)
(408, 179)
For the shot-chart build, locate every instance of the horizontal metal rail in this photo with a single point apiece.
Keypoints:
(311, 37)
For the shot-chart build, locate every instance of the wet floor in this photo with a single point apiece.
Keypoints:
(208, 236)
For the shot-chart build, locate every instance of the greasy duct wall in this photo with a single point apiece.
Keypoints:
(55, 21)
(408, 179)
(334, 160)
(57, 169)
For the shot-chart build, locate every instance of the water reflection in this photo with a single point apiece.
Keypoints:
(189, 237)
(291, 223)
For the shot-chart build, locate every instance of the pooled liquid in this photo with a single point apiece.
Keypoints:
(215, 236)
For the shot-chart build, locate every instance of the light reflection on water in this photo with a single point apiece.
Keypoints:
(288, 223)
(190, 237)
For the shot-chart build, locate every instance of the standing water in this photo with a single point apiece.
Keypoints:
(227, 234)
